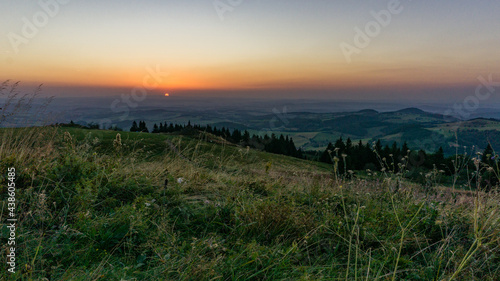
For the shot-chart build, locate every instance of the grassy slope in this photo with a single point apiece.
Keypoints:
(93, 207)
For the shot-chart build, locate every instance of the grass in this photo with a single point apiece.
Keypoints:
(94, 206)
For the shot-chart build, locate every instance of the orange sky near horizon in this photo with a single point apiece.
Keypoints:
(251, 75)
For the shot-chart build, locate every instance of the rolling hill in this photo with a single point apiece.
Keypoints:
(313, 131)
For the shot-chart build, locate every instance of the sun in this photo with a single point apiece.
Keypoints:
(167, 94)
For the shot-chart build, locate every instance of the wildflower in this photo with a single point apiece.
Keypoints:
(180, 180)
(390, 155)
(117, 143)
(344, 155)
(268, 166)
(67, 137)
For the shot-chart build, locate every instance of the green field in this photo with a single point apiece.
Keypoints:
(93, 205)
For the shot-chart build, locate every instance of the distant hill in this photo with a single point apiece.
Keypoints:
(313, 131)
(368, 112)
(411, 110)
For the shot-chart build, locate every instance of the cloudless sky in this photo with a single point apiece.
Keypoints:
(430, 49)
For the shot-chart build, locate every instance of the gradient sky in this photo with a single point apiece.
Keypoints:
(431, 48)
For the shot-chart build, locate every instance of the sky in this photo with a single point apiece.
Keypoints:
(350, 49)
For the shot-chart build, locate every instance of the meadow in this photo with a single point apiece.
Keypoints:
(106, 205)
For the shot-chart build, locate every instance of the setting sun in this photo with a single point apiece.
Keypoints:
(167, 94)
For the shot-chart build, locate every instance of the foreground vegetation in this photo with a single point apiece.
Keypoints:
(104, 205)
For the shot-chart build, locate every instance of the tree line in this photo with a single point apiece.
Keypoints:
(414, 164)
(274, 144)
(375, 156)
(348, 156)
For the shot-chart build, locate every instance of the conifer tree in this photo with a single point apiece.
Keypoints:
(487, 154)
(134, 127)
(155, 129)
(246, 136)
